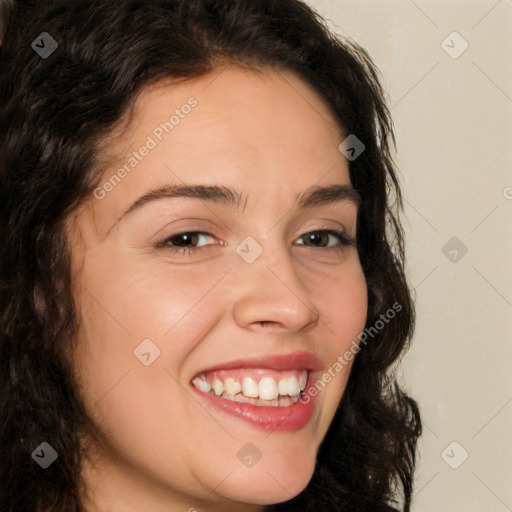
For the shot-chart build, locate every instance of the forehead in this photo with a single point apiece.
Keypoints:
(259, 108)
(267, 133)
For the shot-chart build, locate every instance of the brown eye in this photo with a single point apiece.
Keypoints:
(184, 239)
(317, 237)
(323, 237)
(184, 243)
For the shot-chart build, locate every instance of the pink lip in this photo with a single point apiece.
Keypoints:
(297, 361)
(292, 417)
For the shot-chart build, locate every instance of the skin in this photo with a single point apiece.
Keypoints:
(156, 447)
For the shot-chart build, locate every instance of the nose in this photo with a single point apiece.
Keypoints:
(270, 295)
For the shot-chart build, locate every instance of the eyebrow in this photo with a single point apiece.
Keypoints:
(312, 197)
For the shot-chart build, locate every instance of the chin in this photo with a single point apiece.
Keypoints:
(273, 483)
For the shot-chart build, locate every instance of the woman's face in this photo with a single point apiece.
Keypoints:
(230, 167)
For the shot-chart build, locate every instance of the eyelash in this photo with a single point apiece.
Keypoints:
(345, 241)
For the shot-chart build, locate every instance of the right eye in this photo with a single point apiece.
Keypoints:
(184, 243)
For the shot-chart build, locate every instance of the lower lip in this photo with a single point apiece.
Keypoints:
(291, 417)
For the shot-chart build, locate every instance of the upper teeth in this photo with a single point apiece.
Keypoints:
(267, 388)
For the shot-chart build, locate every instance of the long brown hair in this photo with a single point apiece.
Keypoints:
(56, 109)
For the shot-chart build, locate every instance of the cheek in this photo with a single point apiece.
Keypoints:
(342, 300)
(133, 314)
(140, 296)
(133, 404)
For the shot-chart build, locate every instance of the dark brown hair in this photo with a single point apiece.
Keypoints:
(54, 112)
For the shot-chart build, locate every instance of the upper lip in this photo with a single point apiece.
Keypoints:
(291, 361)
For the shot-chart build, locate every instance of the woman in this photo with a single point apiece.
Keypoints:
(201, 308)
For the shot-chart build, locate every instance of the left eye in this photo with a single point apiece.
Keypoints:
(322, 237)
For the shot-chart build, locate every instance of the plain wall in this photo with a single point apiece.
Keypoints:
(453, 121)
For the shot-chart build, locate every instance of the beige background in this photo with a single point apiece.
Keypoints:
(453, 120)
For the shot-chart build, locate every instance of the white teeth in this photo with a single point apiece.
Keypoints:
(202, 384)
(289, 386)
(232, 386)
(283, 386)
(268, 388)
(218, 386)
(303, 379)
(250, 387)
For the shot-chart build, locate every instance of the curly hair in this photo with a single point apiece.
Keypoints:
(55, 113)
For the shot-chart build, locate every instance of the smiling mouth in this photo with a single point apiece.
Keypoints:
(256, 386)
